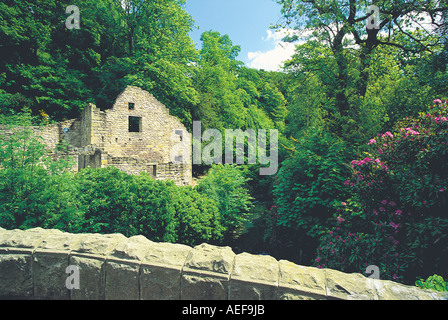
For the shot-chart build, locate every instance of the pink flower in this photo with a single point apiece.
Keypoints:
(437, 101)
(394, 276)
(394, 225)
(343, 203)
(441, 190)
(372, 141)
(410, 131)
(382, 209)
(398, 212)
(384, 202)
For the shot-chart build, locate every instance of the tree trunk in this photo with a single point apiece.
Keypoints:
(365, 57)
(342, 80)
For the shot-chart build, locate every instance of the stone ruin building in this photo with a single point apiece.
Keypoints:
(136, 135)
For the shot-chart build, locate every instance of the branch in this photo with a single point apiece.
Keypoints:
(419, 41)
(393, 44)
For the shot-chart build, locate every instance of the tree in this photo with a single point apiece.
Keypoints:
(307, 185)
(397, 216)
(35, 191)
(144, 43)
(226, 185)
(343, 25)
(221, 104)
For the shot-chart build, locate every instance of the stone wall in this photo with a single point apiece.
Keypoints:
(33, 265)
(51, 134)
(107, 137)
(151, 147)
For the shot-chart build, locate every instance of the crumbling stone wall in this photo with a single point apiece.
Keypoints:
(33, 266)
(101, 138)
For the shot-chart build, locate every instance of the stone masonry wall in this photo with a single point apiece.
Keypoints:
(138, 151)
(33, 266)
(107, 132)
(51, 134)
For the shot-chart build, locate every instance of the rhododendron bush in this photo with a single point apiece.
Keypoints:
(397, 218)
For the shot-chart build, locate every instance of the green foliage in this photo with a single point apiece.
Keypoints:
(433, 282)
(366, 81)
(308, 105)
(119, 43)
(21, 118)
(231, 96)
(114, 201)
(34, 189)
(355, 240)
(311, 180)
(400, 222)
(307, 185)
(226, 185)
(57, 70)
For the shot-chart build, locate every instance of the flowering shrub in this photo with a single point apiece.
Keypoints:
(376, 242)
(400, 220)
(419, 155)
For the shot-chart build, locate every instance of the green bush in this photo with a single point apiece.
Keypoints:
(354, 240)
(307, 185)
(311, 180)
(35, 191)
(227, 186)
(434, 282)
(114, 201)
(398, 218)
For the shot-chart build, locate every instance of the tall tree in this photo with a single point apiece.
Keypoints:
(344, 25)
(221, 104)
(158, 54)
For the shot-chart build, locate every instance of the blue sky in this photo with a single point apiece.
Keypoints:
(247, 23)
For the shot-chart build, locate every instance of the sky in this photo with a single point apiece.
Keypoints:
(247, 22)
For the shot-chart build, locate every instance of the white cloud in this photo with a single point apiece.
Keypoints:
(272, 60)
